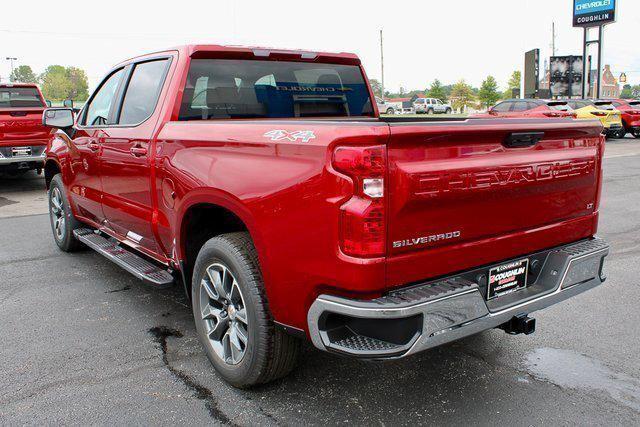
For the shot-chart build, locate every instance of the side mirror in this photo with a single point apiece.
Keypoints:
(491, 110)
(48, 103)
(61, 118)
(68, 103)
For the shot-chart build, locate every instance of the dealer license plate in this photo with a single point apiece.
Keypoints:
(507, 278)
(21, 151)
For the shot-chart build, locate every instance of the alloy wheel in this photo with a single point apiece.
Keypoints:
(224, 314)
(57, 214)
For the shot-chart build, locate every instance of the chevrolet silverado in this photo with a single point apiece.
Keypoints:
(265, 183)
(23, 138)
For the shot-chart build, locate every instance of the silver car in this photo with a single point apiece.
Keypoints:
(431, 106)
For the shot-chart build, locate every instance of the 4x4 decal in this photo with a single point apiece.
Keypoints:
(283, 135)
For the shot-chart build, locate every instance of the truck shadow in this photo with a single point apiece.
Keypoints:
(29, 181)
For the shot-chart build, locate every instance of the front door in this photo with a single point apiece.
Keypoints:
(126, 154)
(85, 184)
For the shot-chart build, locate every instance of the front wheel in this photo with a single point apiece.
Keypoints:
(636, 132)
(390, 111)
(447, 111)
(62, 220)
(232, 315)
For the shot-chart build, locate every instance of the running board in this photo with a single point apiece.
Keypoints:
(134, 264)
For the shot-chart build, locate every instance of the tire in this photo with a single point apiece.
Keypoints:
(447, 111)
(390, 111)
(237, 309)
(621, 134)
(636, 133)
(430, 111)
(61, 217)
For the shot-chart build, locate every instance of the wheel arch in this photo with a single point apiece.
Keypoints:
(51, 169)
(203, 217)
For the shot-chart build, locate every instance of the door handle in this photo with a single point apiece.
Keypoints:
(93, 146)
(138, 151)
(522, 139)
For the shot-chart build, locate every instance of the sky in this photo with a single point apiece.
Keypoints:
(423, 40)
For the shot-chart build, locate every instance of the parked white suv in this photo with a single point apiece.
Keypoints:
(431, 106)
(384, 107)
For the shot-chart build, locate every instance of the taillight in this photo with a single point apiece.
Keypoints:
(363, 216)
(633, 112)
(558, 114)
(599, 113)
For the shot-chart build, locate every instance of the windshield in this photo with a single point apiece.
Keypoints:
(604, 105)
(225, 88)
(560, 106)
(19, 97)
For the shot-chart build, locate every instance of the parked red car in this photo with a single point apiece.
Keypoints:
(529, 108)
(630, 109)
(267, 184)
(23, 138)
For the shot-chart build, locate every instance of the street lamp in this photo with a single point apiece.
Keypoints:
(11, 60)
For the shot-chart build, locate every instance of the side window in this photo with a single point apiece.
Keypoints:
(98, 109)
(142, 92)
(503, 107)
(520, 106)
(438, 102)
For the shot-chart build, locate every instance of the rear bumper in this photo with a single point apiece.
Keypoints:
(613, 128)
(18, 160)
(414, 319)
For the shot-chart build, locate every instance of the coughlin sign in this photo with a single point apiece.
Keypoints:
(591, 13)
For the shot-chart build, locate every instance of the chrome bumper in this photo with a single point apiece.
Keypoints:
(25, 159)
(411, 320)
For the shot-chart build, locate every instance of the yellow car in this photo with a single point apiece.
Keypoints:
(604, 111)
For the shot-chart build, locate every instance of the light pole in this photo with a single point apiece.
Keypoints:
(11, 60)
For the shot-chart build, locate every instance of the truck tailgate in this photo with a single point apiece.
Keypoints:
(19, 126)
(462, 196)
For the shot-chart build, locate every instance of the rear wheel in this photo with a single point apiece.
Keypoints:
(636, 132)
(447, 111)
(621, 134)
(232, 315)
(62, 220)
(430, 111)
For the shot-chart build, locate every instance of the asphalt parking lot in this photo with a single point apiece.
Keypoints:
(83, 342)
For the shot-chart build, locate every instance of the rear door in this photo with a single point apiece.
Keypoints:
(21, 130)
(126, 154)
(462, 195)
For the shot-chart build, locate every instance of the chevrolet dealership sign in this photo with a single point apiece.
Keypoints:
(591, 13)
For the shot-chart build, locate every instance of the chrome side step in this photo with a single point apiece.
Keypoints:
(141, 268)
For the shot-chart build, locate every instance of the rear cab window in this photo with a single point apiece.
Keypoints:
(230, 88)
(20, 97)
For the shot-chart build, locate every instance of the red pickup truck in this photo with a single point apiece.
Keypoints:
(265, 182)
(23, 138)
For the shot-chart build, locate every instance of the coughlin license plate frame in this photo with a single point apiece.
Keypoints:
(507, 278)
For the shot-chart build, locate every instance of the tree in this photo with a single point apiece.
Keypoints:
(60, 83)
(514, 83)
(437, 91)
(462, 96)
(79, 84)
(627, 92)
(23, 74)
(488, 93)
(376, 87)
(55, 83)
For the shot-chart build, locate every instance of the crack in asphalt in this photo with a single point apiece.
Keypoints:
(126, 288)
(160, 334)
